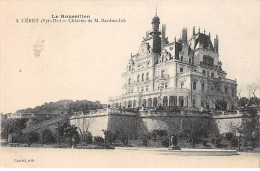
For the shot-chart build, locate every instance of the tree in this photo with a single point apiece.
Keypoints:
(250, 126)
(47, 136)
(195, 130)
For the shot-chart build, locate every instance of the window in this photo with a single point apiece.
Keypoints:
(182, 83)
(226, 90)
(181, 58)
(147, 88)
(190, 60)
(143, 77)
(194, 85)
(204, 72)
(147, 76)
(137, 89)
(202, 86)
(233, 92)
(138, 78)
(181, 69)
(193, 102)
(166, 85)
(207, 73)
(129, 81)
(202, 103)
(162, 73)
(212, 74)
(142, 89)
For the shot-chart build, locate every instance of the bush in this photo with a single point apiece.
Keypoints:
(229, 136)
(88, 138)
(33, 137)
(165, 142)
(47, 137)
(98, 139)
(234, 142)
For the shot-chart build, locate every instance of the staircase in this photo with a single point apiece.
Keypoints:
(45, 124)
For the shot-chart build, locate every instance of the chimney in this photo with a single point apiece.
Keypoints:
(184, 34)
(216, 44)
(163, 31)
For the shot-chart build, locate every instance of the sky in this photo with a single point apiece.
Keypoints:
(48, 62)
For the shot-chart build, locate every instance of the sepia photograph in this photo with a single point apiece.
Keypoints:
(130, 84)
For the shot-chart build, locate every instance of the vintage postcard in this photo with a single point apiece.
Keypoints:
(130, 84)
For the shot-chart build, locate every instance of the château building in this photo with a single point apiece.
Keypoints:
(186, 73)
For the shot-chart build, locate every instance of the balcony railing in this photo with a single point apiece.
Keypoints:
(158, 92)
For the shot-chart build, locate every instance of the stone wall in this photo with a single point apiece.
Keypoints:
(133, 126)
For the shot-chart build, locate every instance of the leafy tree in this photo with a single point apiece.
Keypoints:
(250, 126)
(229, 136)
(98, 140)
(47, 137)
(195, 130)
(33, 137)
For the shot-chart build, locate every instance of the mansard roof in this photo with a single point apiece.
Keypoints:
(203, 40)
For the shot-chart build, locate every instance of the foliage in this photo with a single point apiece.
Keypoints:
(98, 139)
(110, 137)
(233, 142)
(9, 126)
(250, 126)
(87, 137)
(165, 142)
(158, 132)
(246, 102)
(195, 130)
(229, 136)
(47, 137)
(33, 137)
(64, 106)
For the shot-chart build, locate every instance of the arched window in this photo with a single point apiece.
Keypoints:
(138, 78)
(143, 77)
(147, 76)
(181, 69)
(212, 74)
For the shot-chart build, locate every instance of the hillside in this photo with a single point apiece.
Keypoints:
(64, 106)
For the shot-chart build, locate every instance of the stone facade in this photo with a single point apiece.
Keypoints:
(186, 73)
